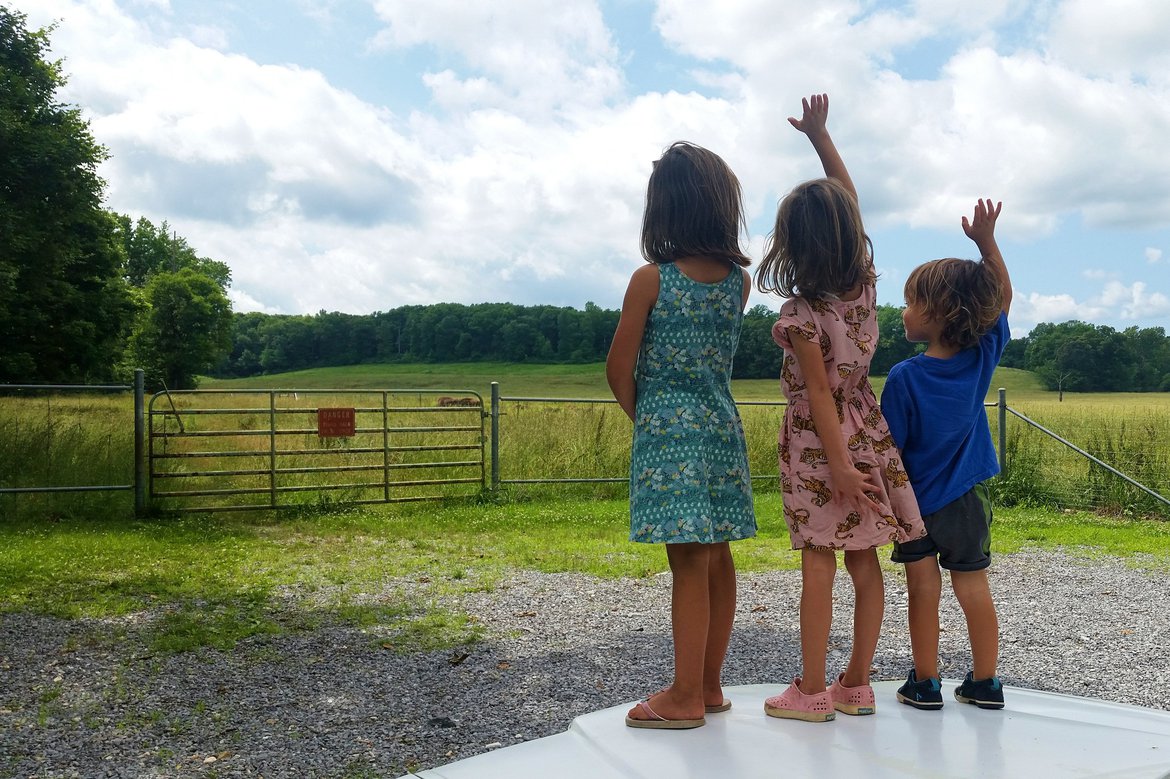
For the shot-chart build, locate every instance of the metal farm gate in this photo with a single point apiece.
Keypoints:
(264, 449)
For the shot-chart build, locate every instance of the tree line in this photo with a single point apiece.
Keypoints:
(86, 294)
(484, 332)
(1081, 357)
(1071, 356)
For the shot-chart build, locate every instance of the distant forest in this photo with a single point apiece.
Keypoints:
(1071, 356)
(487, 332)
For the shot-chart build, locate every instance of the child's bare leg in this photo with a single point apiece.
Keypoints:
(690, 613)
(974, 594)
(721, 593)
(818, 568)
(870, 601)
(924, 586)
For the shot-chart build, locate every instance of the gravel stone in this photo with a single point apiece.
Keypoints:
(85, 698)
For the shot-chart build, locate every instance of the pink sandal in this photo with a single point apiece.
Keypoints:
(794, 704)
(852, 700)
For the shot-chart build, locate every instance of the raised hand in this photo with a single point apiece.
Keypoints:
(981, 230)
(813, 124)
(981, 227)
(816, 114)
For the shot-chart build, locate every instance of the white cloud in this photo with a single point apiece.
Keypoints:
(1121, 38)
(1134, 301)
(523, 178)
(1115, 302)
(243, 302)
(210, 37)
(528, 55)
(1031, 309)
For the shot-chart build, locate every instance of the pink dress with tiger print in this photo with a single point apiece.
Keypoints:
(848, 334)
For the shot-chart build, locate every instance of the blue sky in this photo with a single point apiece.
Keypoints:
(359, 155)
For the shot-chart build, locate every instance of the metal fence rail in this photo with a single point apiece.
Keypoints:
(195, 453)
(496, 413)
(138, 485)
(285, 451)
(1091, 458)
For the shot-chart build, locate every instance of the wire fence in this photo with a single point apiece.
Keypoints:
(1112, 460)
(66, 449)
(66, 446)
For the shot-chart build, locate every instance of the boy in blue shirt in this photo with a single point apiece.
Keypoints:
(933, 403)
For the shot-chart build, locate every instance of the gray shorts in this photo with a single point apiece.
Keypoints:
(959, 534)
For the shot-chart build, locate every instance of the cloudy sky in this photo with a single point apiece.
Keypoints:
(359, 155)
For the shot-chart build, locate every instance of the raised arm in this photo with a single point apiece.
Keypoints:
(981, 230)
(813, 123)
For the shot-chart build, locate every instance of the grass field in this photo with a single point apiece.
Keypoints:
(1130, 431)
(216, 579)
(530, 380)
(75, 439)
(212, 579)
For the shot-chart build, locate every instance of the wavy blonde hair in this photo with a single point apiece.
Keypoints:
(964, 295)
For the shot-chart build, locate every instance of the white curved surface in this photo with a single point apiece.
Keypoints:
(1038, 734)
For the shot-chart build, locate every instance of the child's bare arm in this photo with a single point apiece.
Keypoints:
(981, 230)
(627, 339)
(853, 486)
(813, 123)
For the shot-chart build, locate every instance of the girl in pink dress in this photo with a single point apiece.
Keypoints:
(842, 478)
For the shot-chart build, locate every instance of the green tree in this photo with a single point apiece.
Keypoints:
(1015, 353)
(186, 330)
(1152, 350)
(758, 355)
(1077, 356)
(892, 345)
(64, 307)
(150, 250)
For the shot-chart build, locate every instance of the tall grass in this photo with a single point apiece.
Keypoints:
(67, 439)
(546, 440)
(1131, 433)
(87, 439)
(262, 448)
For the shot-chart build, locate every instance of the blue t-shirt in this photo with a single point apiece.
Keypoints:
(935, 411)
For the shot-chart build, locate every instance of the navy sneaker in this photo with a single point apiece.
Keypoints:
(984, 693)
(924, 694)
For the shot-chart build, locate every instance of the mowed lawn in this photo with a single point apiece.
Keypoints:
(218, 578)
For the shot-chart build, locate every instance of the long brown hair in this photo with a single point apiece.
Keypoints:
(694, 207)
(963, 295)
(818, 245)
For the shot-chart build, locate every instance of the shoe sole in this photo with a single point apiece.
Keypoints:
(804, 716)
(923, 705)
(665, 724)
(853, 710)
(979, 703)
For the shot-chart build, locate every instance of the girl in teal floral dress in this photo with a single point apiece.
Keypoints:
(670, 369)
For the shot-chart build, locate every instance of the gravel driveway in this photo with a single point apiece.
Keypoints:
(333, 703)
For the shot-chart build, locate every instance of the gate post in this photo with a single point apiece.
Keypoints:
(495, 436)
(139, 442)
(1002, 430)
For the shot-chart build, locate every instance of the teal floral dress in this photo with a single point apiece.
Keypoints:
(689, 478)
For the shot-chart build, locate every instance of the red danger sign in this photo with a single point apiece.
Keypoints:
(335, 422)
